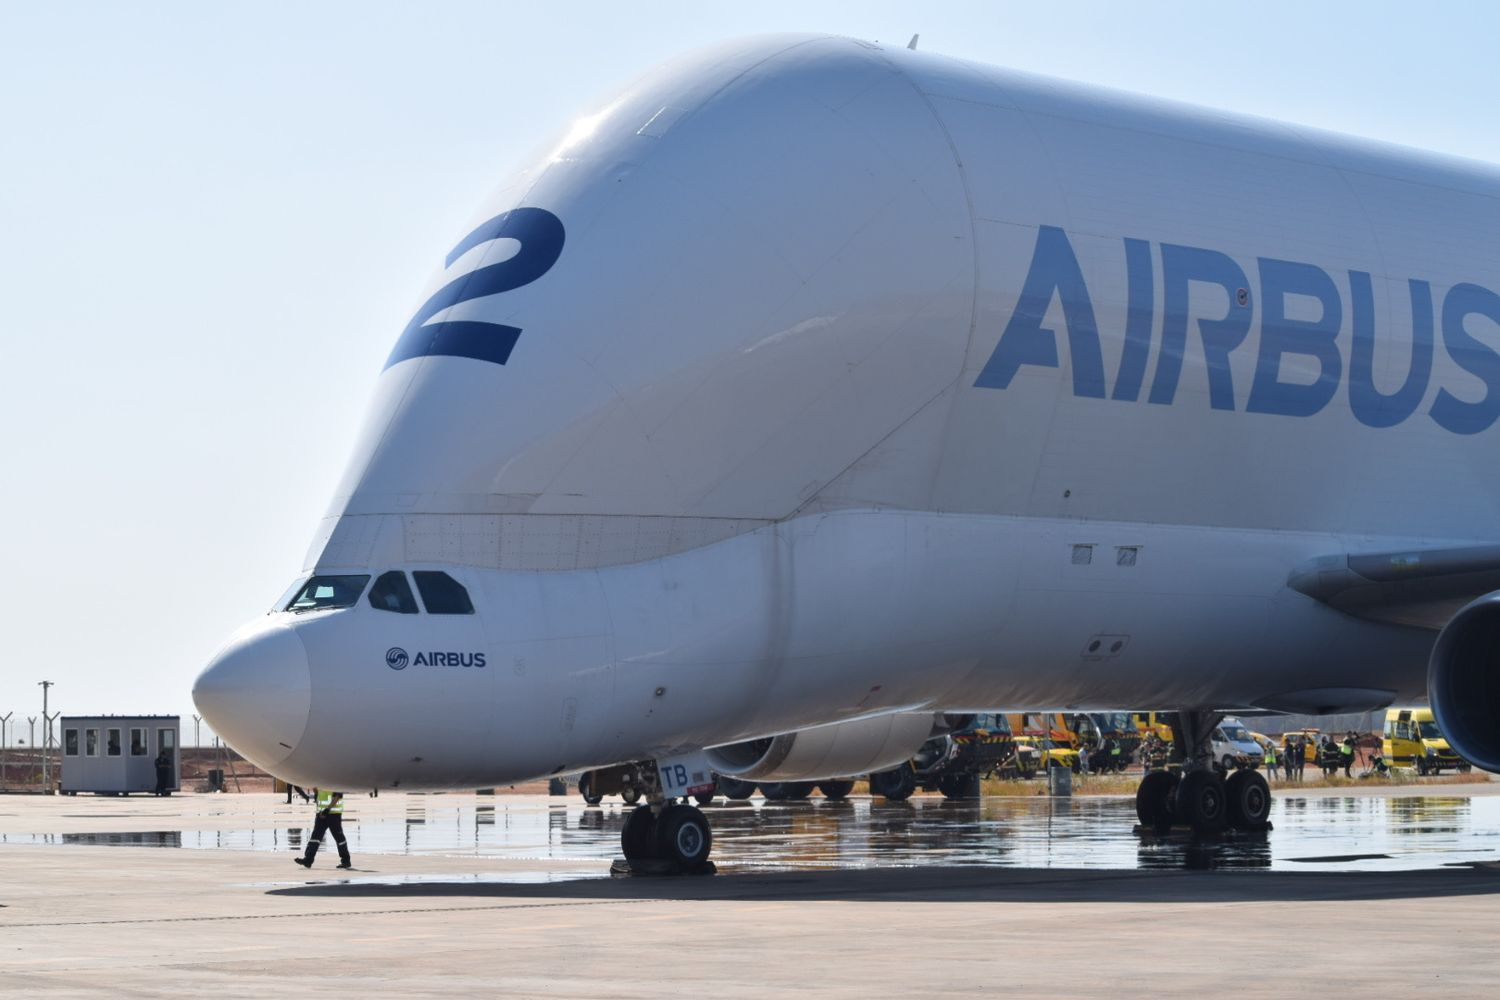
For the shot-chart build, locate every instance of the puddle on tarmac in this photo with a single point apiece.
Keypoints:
(1329, 834)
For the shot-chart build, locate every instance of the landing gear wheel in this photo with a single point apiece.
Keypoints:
(1153, 800)
(896, 785)
(1227, 764)
(683, 836)
(1200, 801)
(835, 791)
(959, 786)
(630, 794)
(774, 791)
(638, 836)
(1248, 800)
(799, 789)
(586, 789)
(704, 798)
(1465, 768)
(735, 789)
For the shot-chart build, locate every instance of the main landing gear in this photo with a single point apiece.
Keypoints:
(1200, 796)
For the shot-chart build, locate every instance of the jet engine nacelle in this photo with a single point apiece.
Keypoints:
(840, 750)
(1463, 682)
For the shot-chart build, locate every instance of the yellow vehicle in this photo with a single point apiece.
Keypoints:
(1308, 740)
(1148, 723)
(1049, 724)
(1412, 740)
(1049, 753)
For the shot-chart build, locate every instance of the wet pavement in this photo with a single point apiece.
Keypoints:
(571, 840)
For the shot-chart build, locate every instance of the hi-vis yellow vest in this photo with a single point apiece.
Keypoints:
(326, 802)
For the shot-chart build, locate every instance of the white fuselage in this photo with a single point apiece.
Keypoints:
(810, 379)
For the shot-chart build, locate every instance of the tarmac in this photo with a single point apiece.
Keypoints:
(1363, 891)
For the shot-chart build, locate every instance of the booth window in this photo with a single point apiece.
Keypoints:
(70, 742)
(138, 743)
(166, 740)
(91, 742)
(442, 594)
(392, 593)
(112, 743)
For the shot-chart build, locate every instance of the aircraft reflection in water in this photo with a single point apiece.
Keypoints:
(1326, 834)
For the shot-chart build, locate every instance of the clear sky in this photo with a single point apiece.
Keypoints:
(215, 219)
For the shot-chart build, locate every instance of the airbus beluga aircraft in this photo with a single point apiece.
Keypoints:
(810, 393)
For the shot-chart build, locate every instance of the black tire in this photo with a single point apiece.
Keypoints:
(835, 791)
(948, 785)
(735, 789)
(1201, 801)
(704, 798)
(1465, 768)
(1248, 802)
(557, 786)
(638, 835)
(799, 790)
(586, 789)
(1153, 800)
(774, 791)
(1420, 765)
(630, 794)
(897, 784)
(1227, 764)
(683, 836)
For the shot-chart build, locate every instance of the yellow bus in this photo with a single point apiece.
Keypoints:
(1412, 740)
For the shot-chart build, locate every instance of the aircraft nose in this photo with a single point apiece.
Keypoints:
(256, 693)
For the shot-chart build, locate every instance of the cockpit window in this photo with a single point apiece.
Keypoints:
(323, 592)
(392, 593)
(442, 594)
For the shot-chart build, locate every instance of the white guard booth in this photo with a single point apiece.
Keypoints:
(116, 754)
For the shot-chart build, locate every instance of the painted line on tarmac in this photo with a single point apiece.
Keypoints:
(336, 913)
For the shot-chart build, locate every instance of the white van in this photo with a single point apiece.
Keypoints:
(1234, 747)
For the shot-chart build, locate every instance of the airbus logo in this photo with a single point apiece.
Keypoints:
(1302, 363)
(398, 659)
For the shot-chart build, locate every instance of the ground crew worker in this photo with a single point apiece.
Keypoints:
(1083, 758)
(330, 818)
(1115, 752)
(163, 773)
(1270, 759)
(1289, 756)
(1346, 755)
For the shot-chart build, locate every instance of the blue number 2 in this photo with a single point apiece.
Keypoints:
(540, 234)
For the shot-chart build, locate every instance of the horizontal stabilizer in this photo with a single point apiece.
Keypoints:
(1423, 588)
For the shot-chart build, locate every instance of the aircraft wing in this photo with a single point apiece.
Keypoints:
(1423, 588)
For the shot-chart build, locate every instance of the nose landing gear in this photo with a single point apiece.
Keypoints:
(663, 836)
(1200, 797)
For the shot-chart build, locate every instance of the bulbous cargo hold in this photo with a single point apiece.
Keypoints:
(779, 220)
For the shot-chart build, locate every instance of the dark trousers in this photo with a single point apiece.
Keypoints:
(332, 823)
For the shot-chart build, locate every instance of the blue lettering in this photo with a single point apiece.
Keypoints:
(420, 661)
(1280, 335)
(1372, 407)
(541, 236)
(1450, 412)
(1054, 272)
(1180, 266)
(1139, 314)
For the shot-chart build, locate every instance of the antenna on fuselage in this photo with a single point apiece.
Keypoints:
(913, 43)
